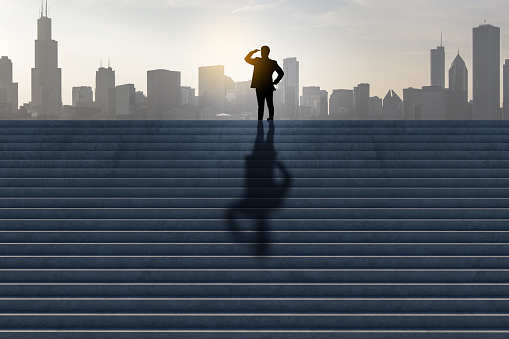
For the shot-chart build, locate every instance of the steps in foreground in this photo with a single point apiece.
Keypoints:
(238, 230)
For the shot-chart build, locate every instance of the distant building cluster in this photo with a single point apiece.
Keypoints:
(436, 101)
(219, 97)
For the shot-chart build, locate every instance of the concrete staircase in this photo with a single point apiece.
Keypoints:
(221, 229)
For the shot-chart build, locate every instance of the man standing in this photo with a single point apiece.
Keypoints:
(262, 81)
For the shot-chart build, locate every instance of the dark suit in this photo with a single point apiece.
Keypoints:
(262, 81)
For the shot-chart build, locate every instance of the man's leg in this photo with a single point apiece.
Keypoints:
(260, 97)
(270, 103)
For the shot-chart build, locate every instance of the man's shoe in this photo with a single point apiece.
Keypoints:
(270, 119)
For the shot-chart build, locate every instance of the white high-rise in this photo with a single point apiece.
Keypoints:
(290, 88)
(212, 91)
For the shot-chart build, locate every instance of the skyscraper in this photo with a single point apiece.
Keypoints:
(412, 99)
(212, 91)
(375, 108)
(104, 81)
(341, 104)
(486, 40)
(311, 100)
(8, 89)
(46, 76)
(82, 96)
(392, 106)
(434, 103)
(438, 66)
(458, 90)
(164, 94)
(506, 90)
(188, 96)
(290, 88)
(361, 102)
(246, 99)
(125, 102)
(324, 104)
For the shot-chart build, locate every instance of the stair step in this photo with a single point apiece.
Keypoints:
(246, 248)
(246, 210)
(261, 182)
(254, 305)
(249, 229)
(248, 147)
(262, 156)
(261, 321)
(24, 289)
(236, 193)
(247, 262)
(162, 203)
(314, 165)
(249, 139)
(276, 225)
(222, 276)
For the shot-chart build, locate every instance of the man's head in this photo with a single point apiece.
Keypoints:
(265, 51)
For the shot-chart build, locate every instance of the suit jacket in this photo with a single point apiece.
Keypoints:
(263, 71)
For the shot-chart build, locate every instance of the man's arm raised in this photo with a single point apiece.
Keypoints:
(249, 57)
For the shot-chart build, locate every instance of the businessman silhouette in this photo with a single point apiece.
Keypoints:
(262, 81)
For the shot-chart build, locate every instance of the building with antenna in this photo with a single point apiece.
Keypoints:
(458, 90)
(104, 83)
(46, 76)
(438, 66)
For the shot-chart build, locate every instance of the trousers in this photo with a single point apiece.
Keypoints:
(263, 95)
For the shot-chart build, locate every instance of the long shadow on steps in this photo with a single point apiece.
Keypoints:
(258, 202)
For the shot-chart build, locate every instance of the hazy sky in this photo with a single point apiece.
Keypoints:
(339, 43)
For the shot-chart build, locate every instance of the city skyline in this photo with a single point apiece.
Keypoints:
(401, 64)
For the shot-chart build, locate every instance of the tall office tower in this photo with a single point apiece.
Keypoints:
(393, 106)
(375, 108)
(412, 103)
(486, 72)
(434, 103)
(246, 99)
(290, 88)
(164, 94)
(361, 102)
(82, 96)
(188, 96)
(324, 104)
(212, 92)
(46, 76)
(8, 89)
(341, 104)
(141, 105)
(104, 81)
(125, 102)
(506, 90)
(438, 66)
(458, 90)
(310, 102)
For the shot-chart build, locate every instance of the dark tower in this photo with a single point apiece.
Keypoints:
(486, 72)
(458, 90)
(46, 76)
